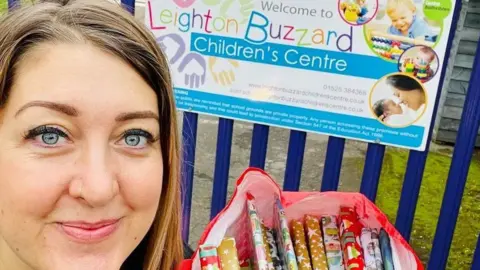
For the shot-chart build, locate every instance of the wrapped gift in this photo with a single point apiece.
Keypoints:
(300, 245)
(267, 248)
(272, 243)
(386, 249)
(368, 246)
(227, 252)
(284, 241)
(260, 256)
(316, 243)
(332, 243)
(209, 258)
(350, 232)
(376, 249)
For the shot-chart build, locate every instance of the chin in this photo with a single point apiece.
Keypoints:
(87, 262)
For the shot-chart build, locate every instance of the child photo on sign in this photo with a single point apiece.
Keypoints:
(399, 25)
(398, 100)
(357, 12)
(420, 62)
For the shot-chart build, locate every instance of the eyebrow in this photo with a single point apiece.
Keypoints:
(137, 115)
(59, 107)
(71, 111)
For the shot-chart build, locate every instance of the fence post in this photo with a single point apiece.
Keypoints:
(372, 170)
(129, 5)
(333, 164)
(189, 144)
(258, 150)
(462, 156)
(476, 256)
(296, 151)
(222, 166)
(12, 4)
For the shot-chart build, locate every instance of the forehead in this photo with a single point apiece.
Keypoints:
(82, 75)
(388, 102)
(424, 54)
(400, 10)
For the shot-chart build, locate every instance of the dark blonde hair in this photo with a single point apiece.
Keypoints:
(112, 29)
(392, 5)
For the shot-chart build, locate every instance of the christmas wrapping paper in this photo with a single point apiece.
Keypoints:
(245, 265)
(368, 246)
(260, 256)
(376, 248)
(386, 250)
(227, 251)
(300, 245)
(267, 248)
(209, 258)
(350, 232)
(315, 243)
(331, 239)
(284, 241)
(272, 243)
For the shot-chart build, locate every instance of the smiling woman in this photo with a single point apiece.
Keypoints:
(88, 152)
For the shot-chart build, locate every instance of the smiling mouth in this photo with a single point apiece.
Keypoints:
(85, 232)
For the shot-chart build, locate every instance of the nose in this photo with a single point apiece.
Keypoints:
(96, 182)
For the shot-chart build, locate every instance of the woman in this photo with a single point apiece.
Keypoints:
(89, 152)
(410, 92)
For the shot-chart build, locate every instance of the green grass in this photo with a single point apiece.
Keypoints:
(3, 6)
(429, 203)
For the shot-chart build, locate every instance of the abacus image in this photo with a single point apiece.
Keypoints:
(391, 47)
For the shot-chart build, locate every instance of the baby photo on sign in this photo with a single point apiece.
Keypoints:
(420, 62)
(398, 100)
(399, 25)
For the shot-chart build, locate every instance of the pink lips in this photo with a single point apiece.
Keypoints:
(86, 232)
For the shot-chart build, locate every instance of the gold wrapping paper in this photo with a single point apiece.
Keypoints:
(315, 243)
(227, 251)
(300, 244)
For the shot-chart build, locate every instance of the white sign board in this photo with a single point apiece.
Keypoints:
(358, 69)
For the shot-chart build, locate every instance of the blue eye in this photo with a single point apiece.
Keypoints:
(137, 138)
(50, 138)
(47, 135)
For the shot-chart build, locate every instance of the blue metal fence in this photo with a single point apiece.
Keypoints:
(334, 156)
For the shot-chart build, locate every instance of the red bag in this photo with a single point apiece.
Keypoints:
(232, 221)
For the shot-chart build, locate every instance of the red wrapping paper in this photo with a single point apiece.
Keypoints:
(350, 233)
(209, 258)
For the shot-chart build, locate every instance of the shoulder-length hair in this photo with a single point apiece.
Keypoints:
(112, 29)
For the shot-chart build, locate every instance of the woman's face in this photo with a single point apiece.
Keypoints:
(412, 99)
(80, 164)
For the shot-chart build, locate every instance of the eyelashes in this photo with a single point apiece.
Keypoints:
(50, 136)
(43, 130)
(139, 132)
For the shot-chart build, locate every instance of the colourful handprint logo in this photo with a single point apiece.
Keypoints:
(173, 46)
(222, 70)
(192, 66)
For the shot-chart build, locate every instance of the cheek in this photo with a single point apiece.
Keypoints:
(403, 96)
(141, 184)
(29, 189)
